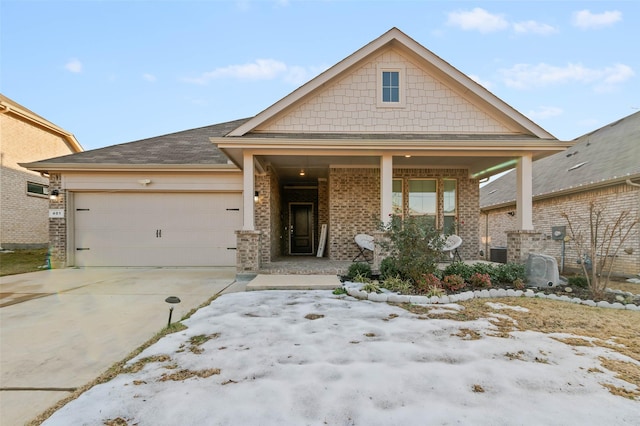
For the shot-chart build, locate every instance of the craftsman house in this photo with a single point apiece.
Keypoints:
(391, 129)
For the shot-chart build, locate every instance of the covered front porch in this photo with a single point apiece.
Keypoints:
(306, 203)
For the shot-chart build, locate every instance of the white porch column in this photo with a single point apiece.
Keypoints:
(386, 188)
(248, 223)
(524, 203)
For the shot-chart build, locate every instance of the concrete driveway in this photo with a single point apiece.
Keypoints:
(60, 329)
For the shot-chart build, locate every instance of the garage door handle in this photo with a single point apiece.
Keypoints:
(232, 248)
(82, 248)
(158, 233)
(233, 210)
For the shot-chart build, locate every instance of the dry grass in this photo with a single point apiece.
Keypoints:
(613, 329)
(181, 375)
(625, 286)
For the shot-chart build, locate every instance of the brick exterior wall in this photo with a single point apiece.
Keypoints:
(24, 218)
(323, 211)
(350, 105)
(58, 226)
(354, 208)
(547, 213)
(248, 252)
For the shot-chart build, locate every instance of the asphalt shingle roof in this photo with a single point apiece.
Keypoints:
(186, 147)
(609, 153)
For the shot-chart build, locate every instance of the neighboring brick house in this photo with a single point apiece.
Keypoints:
(26, 137)
(603, 166)
(391, 129)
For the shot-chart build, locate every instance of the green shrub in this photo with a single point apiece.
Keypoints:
(359, 268)
(486, 269)
(510, 272)
(453, 283)
(398, 285)
(479, 280)
(459, 268)
(339, 291)
(359, 278)
(388, 268)
(414, 244)
(578, 281)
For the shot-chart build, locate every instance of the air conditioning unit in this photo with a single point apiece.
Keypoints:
(542, 271)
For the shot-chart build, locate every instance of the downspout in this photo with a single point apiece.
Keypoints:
(486, 237)
(629, 182)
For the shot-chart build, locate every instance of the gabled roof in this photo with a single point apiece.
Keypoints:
(189, 148)
(398, 39)
(9, 106)
(608, 155)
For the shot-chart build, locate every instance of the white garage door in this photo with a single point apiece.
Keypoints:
(156, 229)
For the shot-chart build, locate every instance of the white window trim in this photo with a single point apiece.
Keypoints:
(33, 194)
(400, 69)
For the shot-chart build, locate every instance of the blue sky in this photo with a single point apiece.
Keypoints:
(117, 71)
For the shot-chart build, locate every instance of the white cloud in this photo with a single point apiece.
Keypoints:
(261, 69)
(527, 76)
(586, 20)
(149, 77)
(485, 83)
(477, 19)
(74, 66)
(533, 27)
(545, 112)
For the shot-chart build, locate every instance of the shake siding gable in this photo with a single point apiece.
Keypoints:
(350, 106)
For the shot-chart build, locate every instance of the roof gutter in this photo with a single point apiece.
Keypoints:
(568, 191)
(71, 167)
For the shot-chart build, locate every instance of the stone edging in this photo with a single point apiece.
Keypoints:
(354, 291)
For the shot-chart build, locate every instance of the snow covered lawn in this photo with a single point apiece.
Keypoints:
(312, 358)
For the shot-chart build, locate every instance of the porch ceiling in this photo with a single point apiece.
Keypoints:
(288, 167)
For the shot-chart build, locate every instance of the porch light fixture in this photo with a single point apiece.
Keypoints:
(172, 300)
(256, 196)
(54, 195)
(302, 172)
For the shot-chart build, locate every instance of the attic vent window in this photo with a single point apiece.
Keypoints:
(577, 166)
(391, 85)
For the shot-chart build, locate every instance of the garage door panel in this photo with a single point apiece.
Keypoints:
(130, 229)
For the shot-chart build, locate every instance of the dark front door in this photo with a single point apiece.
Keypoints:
(301, 228)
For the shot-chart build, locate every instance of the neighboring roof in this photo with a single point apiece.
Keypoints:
(607, 155)
(395, 37)
(186, 148)
(9, 106)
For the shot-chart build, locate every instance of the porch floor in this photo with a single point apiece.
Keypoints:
(305, 265)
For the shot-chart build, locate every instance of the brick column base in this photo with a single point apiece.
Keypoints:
(521, 243)
(247, 252)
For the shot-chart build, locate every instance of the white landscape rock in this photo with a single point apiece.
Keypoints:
(354, 362)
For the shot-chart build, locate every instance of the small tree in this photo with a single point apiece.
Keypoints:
(597, 241)
(414, 244)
